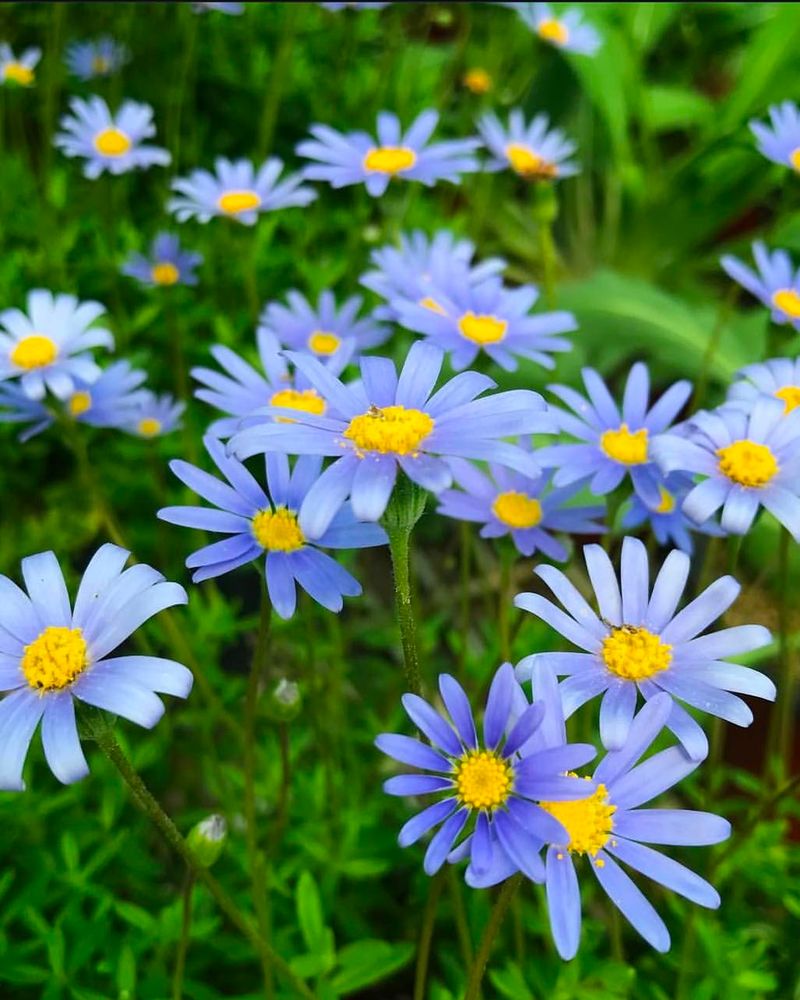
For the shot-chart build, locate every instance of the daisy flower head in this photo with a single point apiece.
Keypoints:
(342, 159)
(384, 422)
(52, 652)
(477, 80)
(266, 523)
(776, 283)
(483, 782)
(326, 330)
(153, 416)
(18, 71)
(525, 507)
(637, 643)
(614, 441)
(236, 190)
(465, 318)
(568, 31)
(201, 7)
(780, 140)
(47, 346)
(668, 521)
(102, 57)
(533, 151)
(17, 407)
(167, 264)
(748, 460)
(778, 377)
(353, 6)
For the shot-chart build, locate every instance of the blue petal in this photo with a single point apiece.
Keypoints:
(481, 853)
(457, 704)
(667, 872)
(631, 902)
(419, 825)
(432, 724)
(563, 902)
(46, 588)
(164, 676)
(680, 827)
(415, 784)
(616, 713)
(646, 725)
(525, 727)
(442, 841)
(120, 696)
(19, 716)
(134, 614)
(104, 567)
(498, 705)
(411, 751)
(280, 584)
(521, 847)
(654, 776)
(62, 748)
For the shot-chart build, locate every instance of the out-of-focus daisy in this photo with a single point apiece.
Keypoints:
(477, 80)
(18, 70)
(780, 140)
(154, 416)
(748, 461)
(484, 782)
(244, 390)
(266, 523)
(237, 191)
(778, 377)
(88, 60)
(201, 7)
(357, 158)
(110, 142)
(353, 6)
(166, 265)
(464, 318)
(639, 644)
(613, 444)
(52, 653)
(17, 407)
(776, 284)
(325, 331)
(524, 507)
(667, 520)
(568, 31)
(534, 152)
(384, 422)
(47, 346)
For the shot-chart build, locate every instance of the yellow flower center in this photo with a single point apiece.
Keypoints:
(589, 822)
(278, 530)
(433, 305)
(35, 351)
(633, 653)
(79, 402)
(55, 658)
(526, 163)
(748, 463)
(482, 329)
(396, 430)
(322, 342)
(307, 400)
(100, 64)
(19, 74)
(234, 202)
(517, 510)
(790, 394)
(794, 158)
(149, 427)
(788, 301)
(553, 31)
(483, 780)
(667, 504)
(625, 446)
(112, 142)
(165, 273)
(477, 80)
(390, 159)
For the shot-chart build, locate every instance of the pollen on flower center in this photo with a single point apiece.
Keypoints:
(35, 351)
(307, 400)
(149, 427)
(748, 463)
(234, 202)
(19, 74)
(323, 342)
(433, 305)
(790, 394)
(526, 163)
(483, 780)
(477, 80)
(482, 329)
(100, 64)
(634, 653)
(278, 530)
(788, 301)
(554, 31)
(79, 402)
(794, 158)
(517, 510)
(589, 822)
(667, 502)
(112, 142)
(55, 658)
(390, 159)
(396, 430)
(165, 273)
(624, 445)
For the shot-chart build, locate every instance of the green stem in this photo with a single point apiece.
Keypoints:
(426, 934)
(465, 553)
(734, 551)
(183, 942)
(460, 917)
(504, 601)
(788, 678)
(547, 250)
(279, 74)
(725, 310)
(496, 917)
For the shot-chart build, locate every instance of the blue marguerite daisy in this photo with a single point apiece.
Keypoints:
(201, 6)
(102, 57)
(52, 653)
(47, 347)
(535, 151)
(382, 422)
(777, 377)
(110, 142)
(237, 191)
(17, 407)
(638, 643)
(152, 415)
(613, 443)
(357, 158)
(780, 140)
(668, 521)
(19, 71)
(776, 283)
(524, 507)
(568, 31)
(267, 523)
(168, 264)
(353, 6)
(485, 781)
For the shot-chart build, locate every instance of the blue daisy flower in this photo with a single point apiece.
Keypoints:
(639, 644)
(201, 6)
(533, 151)
(102, 57)
(358, 158)
(326, 331)
(613, 444)
(384, 422)
(152, 415)
(748, 460)
(19, 71)
(110, 142)
(353, 6)
(52, 653)
(777, 377)
(485, 781)
(237, 191)
(568, 31)
(608, 827)
(524, 507)
(47, 347)
(167, 264)
(267, 523)
(776, 284)
(17, 407)
(667, 521)
(407, 271)
(780, 141)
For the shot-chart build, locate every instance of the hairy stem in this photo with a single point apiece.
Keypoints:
(496, 917)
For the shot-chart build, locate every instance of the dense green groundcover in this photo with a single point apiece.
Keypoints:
(90, 896)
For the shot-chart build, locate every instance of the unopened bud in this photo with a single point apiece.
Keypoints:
(284, 701)
(207, 839)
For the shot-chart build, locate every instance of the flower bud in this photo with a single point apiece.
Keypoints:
(207, 838)
(284, 701)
